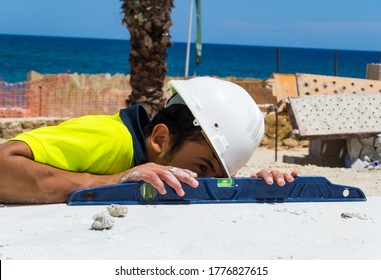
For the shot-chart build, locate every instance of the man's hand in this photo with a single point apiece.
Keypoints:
(156, 175)
(275, 175)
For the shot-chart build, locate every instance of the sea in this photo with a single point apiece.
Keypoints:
(20, 54)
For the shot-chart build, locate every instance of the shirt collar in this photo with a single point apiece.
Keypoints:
(136, 118)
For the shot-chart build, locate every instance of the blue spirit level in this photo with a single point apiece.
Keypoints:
(215, 190)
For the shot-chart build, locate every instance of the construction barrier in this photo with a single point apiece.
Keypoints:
(41, 98)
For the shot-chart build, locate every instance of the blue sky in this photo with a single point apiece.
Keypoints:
(332, 24)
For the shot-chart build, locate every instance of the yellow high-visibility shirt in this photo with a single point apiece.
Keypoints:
(98, 144)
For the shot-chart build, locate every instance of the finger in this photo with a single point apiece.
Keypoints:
(132, 176)
(253, 175)
(155, 182)
(155, 175)
(147, 173)
(295, 173)
(187, 171)
(265, 175)
(288, 177)
(185, 175)
(278, 177)
(168, 176)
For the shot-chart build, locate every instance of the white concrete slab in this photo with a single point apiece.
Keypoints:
(214, 231)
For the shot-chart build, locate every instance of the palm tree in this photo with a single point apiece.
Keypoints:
(148, 22)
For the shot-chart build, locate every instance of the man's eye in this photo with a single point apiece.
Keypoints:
(203, 168)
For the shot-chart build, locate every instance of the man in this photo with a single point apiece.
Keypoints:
(210, 128)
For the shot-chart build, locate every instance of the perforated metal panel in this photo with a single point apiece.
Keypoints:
(336, 115)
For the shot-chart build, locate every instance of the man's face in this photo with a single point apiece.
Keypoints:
(197, 157)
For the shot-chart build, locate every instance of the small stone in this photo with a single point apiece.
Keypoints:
(102, 221)
(117, 210)
(354, 215)
(290, 142)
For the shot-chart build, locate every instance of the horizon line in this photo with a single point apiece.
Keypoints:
(192, 43)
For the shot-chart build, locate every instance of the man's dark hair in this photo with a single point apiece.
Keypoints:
(179, 120)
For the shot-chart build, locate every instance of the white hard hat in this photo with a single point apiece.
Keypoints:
(228, 115)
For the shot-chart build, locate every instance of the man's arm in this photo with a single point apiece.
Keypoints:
(25, 181)
(22, 180)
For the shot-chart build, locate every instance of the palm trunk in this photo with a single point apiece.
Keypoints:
(148, 22)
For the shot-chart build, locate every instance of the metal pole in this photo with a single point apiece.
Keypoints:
(189, 38)
(336, 63)
(276, 132)
(277, 60)
(276, 107)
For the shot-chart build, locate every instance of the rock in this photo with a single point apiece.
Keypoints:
(271, 143)
(304, 143)
(10, 129)
(265, 141)
(290, 142)
(117, 210)
(282, 120)
(271, 119)
(102, 221)
(359, 216)
(27, 124)
(58, 121)
(39, 123)
(270, 131)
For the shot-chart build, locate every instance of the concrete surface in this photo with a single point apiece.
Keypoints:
(301, 231)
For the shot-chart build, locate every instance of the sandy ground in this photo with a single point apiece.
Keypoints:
(367, 179)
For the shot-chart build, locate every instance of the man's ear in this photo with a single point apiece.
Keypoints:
(159, 137)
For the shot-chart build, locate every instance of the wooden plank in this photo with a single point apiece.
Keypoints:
(319, 84)
(284, 86)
